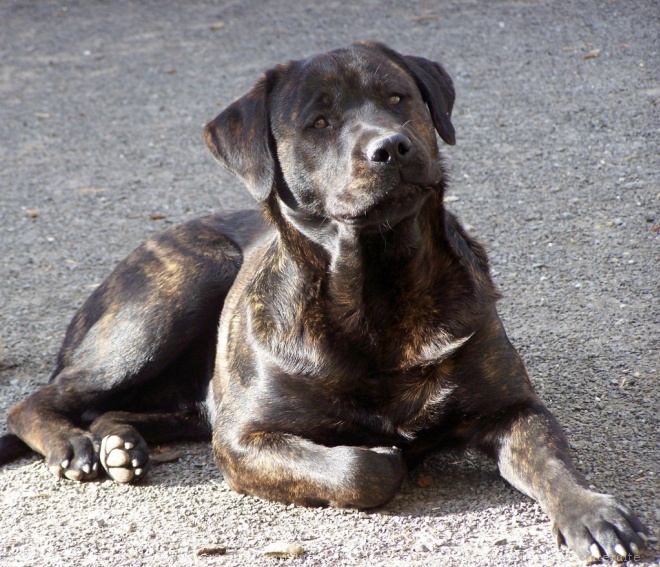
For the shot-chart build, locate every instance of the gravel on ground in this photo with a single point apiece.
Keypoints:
(556, 170)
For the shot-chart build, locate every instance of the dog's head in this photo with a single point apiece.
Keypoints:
(348, 135)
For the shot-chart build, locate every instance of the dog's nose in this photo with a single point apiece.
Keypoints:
(389, 149)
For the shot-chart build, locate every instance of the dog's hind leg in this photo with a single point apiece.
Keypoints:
(160, 304)
(41, 422)
(123, 448)
(52, 420)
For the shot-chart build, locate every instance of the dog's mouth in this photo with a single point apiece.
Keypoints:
(397, 205)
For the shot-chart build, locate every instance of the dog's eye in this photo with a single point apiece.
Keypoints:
(394, 99)
(320, 123)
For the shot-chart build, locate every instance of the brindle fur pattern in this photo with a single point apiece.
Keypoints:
(357, 322)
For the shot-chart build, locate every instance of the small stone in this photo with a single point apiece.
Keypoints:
(39, 495)
(424, 481)
(283, 549)
(212, 550)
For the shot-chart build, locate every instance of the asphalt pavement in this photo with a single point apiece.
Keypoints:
(556, 169)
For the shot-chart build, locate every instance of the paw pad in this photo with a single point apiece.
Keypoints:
(124, 461)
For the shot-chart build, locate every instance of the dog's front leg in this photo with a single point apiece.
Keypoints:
(44, 422)
(289, 468)
(533, 455)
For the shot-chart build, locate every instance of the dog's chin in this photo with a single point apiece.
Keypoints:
(389, 211)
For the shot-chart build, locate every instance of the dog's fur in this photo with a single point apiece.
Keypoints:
(358, 329)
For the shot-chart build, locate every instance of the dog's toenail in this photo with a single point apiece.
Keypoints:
(56, 470)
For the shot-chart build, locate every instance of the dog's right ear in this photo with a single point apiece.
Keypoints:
(240, 139)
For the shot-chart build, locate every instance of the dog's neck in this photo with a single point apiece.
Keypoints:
(343, 254)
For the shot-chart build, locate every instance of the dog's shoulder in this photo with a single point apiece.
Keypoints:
(465, 245)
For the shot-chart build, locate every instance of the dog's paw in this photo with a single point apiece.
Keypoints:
(125, 457)
(74, 457)
(370, 476)
(598, 526)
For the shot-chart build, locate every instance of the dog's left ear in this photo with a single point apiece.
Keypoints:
(240, 139)
(437, 90)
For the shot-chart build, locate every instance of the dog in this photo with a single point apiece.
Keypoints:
(328, 341)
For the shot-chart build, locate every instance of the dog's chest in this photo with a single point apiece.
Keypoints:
(418, 397)
(405, 378)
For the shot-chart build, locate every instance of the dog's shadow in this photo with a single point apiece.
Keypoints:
(444, 483)
(452, 483)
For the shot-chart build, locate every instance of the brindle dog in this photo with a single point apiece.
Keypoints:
(357, 324)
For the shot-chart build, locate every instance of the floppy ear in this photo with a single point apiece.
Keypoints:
(437, 90)
(240, 139)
